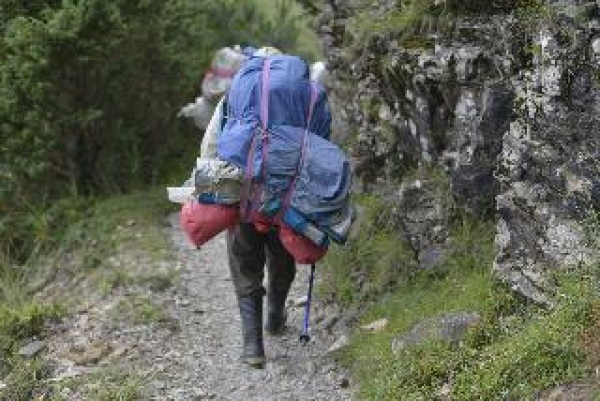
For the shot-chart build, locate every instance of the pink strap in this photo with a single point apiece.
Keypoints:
(264, 114)
(246, 190)
(264, 97)
(264, 117)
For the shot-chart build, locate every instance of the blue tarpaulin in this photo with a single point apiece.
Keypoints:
(289, 100)
(322, 171)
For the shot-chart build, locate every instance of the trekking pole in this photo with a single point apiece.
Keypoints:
(305, 336)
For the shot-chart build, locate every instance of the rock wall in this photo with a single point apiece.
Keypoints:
(505, 102)
(549, 168)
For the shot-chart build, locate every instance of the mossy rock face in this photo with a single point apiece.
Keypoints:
(422, 211)
(505, 104)
(467, 101)
(410, 104)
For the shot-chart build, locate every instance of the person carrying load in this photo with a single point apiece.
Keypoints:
(271, 133)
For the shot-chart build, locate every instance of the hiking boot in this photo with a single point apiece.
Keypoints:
(251, 316)
(276, 313)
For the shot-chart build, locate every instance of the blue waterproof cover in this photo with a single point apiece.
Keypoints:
(323, 173)
(289, 100)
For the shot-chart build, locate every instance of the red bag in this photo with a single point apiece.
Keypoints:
(301, 248)
(201, 222)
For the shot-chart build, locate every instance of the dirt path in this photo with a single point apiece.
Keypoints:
(182, 342)
(204, 354)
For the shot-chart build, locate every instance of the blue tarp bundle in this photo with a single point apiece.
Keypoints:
(321, 171)
(289, 100)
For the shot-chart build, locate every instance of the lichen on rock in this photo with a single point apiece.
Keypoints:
(504, 101)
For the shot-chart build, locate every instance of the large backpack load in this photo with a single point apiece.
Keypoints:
(276, 131)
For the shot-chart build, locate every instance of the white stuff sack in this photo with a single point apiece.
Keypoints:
(180, 194)
(318, 72)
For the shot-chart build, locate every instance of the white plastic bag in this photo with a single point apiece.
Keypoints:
(200, 112)
(180, 194)
(318, 72)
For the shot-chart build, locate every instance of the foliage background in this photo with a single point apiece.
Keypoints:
(89, 92)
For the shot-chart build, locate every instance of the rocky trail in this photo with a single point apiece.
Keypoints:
(185, 342)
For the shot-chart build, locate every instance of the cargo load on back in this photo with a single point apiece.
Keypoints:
(266, 153)
(276, 131)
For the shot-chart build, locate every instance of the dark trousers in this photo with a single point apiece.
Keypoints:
(248, 250)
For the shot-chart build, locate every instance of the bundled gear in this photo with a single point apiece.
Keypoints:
(203, 221)
(269, 174)
(217, 80)
(217, 182)
(276, 131)
(224, 66)
(289, 166)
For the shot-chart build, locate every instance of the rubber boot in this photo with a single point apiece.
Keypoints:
(276, 313)
(252, 332)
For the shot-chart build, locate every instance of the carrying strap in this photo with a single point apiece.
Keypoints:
(247, 190)
(264, 113)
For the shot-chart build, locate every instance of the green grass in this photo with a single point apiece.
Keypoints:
(21, 318)
(125, 224)
(110, 221)
(412, 22)
(371, 263)
(385, 376)
(517, 349)
(26, 381)
(93, 232)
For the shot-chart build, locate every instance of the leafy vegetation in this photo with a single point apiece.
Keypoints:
(139, 310)
(25, 381)
(516, 349)
(413, 22)
(89, 91)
